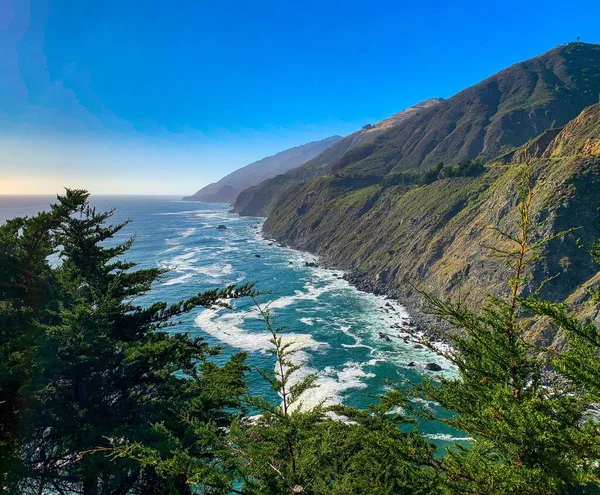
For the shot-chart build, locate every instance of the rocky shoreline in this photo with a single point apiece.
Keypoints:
(423, 323)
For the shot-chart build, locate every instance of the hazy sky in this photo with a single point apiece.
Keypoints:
(133, 96)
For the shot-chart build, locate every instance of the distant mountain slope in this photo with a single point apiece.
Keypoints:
(255, 200)
(227, 189)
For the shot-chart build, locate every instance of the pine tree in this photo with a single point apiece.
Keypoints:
(106, 372)
(527, 438)
(287, 448)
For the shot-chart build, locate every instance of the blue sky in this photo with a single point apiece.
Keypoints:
(150, 96)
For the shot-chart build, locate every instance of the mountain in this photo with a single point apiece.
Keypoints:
(489, 118)
(227, 189)
(483, 121)
(254, 201)
(386, 214)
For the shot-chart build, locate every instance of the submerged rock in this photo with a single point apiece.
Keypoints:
(257, 255)
(311, 264)
(433, 367)
(411, 364)
(384, 336)
(221, 227)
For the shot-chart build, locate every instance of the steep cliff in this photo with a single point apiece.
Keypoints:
(433, 234)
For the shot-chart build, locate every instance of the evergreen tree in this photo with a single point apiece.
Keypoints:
(527, 438)
(91, 369)
(287, 448)
(25, 287)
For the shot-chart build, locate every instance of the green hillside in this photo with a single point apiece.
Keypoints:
(433, 231)
(256, 200)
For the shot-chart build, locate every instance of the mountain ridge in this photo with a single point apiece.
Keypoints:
(254, 201)
(225, 190)
(429, 224)
(483, 121)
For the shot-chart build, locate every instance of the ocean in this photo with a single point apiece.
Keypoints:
(335, 327)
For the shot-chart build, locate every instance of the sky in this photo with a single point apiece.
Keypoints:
(155, 97)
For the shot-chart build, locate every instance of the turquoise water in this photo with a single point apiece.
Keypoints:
(335, 327)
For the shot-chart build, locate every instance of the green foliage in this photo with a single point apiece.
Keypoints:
(526, 437)
(86, 369)
(432, 175)
(466, 168)
(337, 450)
(98, 398)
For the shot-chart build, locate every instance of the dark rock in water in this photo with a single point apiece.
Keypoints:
(270, 243)
(384, 336)
(335, 274)
(221, 227)
(411, 364)
(433, 367)
(290, 263)
(311, 264)
(417, 346)
(257, 255)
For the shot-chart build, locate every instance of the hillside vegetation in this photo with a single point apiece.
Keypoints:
(432, 231)
(256, 200)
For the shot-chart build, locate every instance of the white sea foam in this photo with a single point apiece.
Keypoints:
(192, 262)
(188, 232)
(357, 346)
(332, 383)
(446, 437)
(312, 294)
(178, 280)
(215, 271)
(171, 249)
(226, 327)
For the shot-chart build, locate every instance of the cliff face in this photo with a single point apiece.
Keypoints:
(434, 234)
(227, 189)
(255, 201)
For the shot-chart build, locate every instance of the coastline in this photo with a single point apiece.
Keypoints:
(422, 325)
